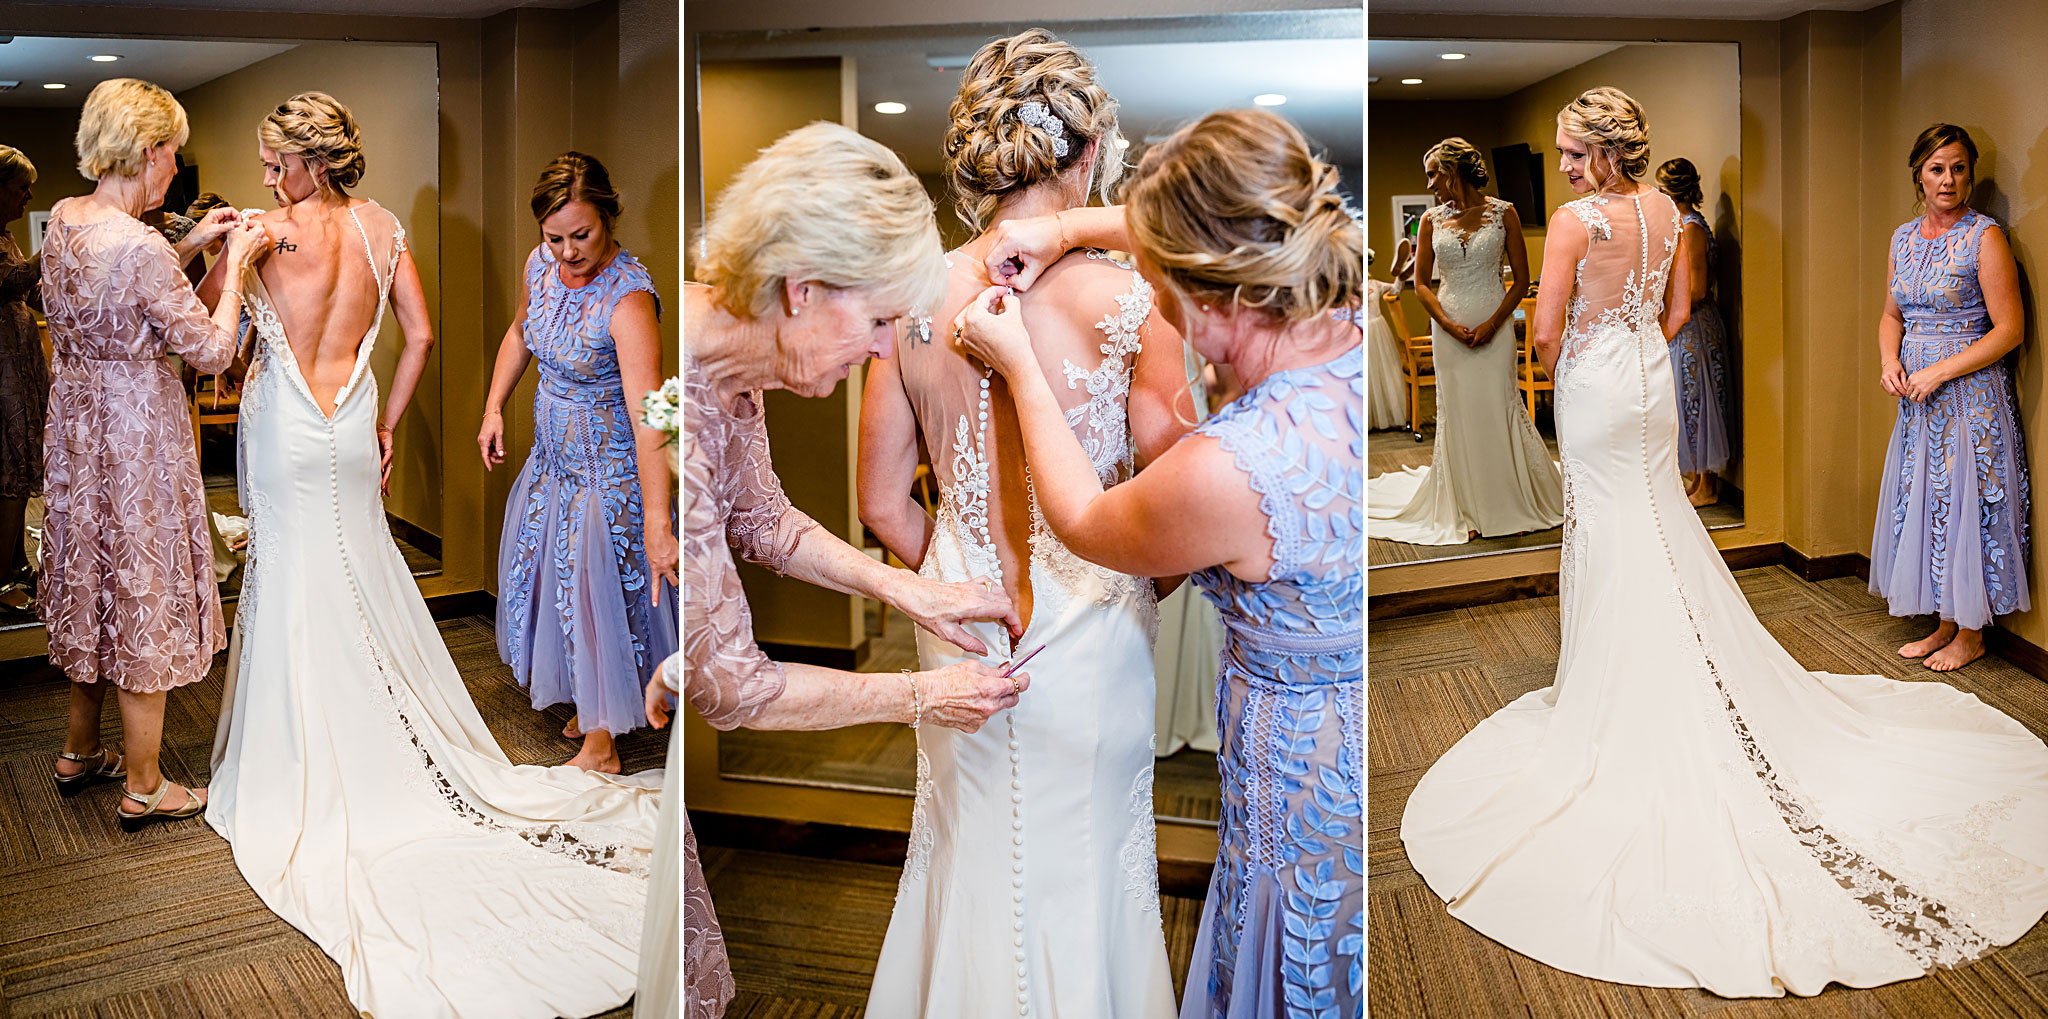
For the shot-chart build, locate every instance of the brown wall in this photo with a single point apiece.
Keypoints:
(1399, 133)
(393, 92)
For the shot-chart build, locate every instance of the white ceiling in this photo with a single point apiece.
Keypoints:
(1734, 10)
(1490, 69)
(411, 8)
(176, 64)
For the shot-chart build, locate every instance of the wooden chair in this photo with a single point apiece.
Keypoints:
(201, 404)
(1530, 377)
(1418, 364)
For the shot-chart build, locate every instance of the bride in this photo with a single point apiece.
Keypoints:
(1056, 796)
(1687, 806)
(366, 802)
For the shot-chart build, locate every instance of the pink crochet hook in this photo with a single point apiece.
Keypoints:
(1021, 661)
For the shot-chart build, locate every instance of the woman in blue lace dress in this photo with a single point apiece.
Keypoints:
(1699, 350)
(1264, 504)
(587, 562)
(1951, 535)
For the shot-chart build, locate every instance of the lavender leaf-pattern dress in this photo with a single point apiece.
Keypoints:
(576, 621)
(1283, 930)
(24, 375)
(1951, 534)
(127, 586)
(1699, 368)
(731, 496)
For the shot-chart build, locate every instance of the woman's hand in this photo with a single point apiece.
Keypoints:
(1484, 333)
(941, 607)
(991, 329)
(1019, 249)
(963, 695)
(657, 702)
(247, 243)
(217, 224)
(1921, 384)
(1458, 333)
(385, 444)
(662, 554)
(1892, 376)
(490, 439)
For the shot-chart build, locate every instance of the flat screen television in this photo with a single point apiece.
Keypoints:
(1518, 173)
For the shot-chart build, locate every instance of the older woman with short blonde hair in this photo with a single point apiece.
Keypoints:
(128, 592)
(810, 256)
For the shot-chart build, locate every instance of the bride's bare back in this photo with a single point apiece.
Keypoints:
(322, 277)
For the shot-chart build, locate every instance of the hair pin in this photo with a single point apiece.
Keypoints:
(1040, 116)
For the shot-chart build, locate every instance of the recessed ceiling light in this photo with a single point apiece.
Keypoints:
(53, 84)
(1411, 81)
(1451, 56)
(890, 107)
(1123, 143)
(105, 58)
(1269, 99)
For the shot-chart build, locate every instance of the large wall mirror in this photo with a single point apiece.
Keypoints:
(1164, 73)
(226, 87)
(1502, 97)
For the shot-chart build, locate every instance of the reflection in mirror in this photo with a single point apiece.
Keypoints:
(901, 83)
(226, 88)
(1464, 177)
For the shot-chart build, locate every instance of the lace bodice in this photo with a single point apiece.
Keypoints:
(1469, 260)
(1934, 282)
(1300, 438)
(1619, 284)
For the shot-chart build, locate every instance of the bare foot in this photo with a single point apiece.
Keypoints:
(571, 731)
(1706, 491)
(590, 760)
(1940, 638)
(1966, 648)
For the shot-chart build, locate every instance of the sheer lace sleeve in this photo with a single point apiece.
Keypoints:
(725, 675)
(763, 525)
(174, 312)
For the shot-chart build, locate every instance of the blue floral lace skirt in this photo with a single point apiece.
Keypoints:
(576, 619)
(1951, 535)
(1700, 370)
(1282, 933)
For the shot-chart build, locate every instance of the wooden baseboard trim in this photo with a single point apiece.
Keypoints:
(873, 845)
(1543, 585)
(468, 603)
(2018, 650)
(1814, 569)
(414, 535)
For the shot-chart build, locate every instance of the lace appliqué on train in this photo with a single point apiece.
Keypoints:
(1140, 851)
(919, 857)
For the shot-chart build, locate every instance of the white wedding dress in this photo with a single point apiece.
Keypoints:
(1031, 887)
(366, 802)
(1489, 470)
(1687, 806)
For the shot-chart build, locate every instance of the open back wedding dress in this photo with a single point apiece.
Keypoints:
(366, 801)
(1032, 885)
(1687, 806)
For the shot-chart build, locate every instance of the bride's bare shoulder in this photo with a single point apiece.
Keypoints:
(1087, 283)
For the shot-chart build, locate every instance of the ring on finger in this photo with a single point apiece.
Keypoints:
(1016, 690)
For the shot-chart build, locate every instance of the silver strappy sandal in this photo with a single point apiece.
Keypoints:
(102, 767)
(132, 823)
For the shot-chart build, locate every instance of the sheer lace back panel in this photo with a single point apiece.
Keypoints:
(1085, 317)
(1619, 285)
(1469, 260)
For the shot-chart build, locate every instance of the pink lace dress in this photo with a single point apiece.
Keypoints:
(730, 496)
(127, 587)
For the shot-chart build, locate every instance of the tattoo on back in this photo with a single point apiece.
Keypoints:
(285, 245)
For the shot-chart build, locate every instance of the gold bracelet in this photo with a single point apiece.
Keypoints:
(916, 699)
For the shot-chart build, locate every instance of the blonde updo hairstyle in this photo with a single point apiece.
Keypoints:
(992, 151)
(15, 167)
(1678, 179)
(1235, 209)
(123, 119)
(823, 203)
(315, 125)
(1611, 122)
(1458, 156)
(575, 177)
